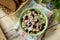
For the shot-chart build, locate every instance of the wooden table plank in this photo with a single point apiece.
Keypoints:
(2, 36)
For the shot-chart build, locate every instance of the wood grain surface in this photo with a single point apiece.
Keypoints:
(2, 36)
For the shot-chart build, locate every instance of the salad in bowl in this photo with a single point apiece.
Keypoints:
(33, 21)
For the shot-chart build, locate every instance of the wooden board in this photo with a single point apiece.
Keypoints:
(2, 36)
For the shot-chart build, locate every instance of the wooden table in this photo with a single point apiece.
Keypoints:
(2, 36)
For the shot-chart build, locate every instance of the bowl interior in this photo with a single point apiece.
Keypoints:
(38, 10)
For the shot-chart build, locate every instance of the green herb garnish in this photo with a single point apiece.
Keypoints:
(56, 3)
(57, 15)
(43, 1)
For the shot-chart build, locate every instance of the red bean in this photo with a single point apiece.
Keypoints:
(35, 32)
(30, 31)
(26, 25)
(30, 24)
(41, 27)
(32, 15)
(26, 30)
(36, 21)
(32, 10)
(34, 26)
(26, 18)
(21, 19)
(36, 12)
